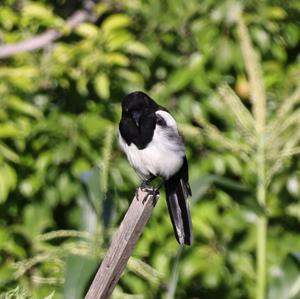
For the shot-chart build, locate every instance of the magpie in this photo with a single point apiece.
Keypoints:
(149, 137)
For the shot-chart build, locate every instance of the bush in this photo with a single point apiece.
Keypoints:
(64, 185)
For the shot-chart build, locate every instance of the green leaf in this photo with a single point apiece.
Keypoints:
(118, 40)
(277, 12)
(36, 219)
(8, 181)
(79, 166)
(43, 13)
(93, 125)
(19, 105)
(37, 10)
(101, 8)
(116, 21)
(285, 281)
(67, 189)
(200, 186)
(8, 17)
(101, 84)
(50, 296)
(29, 186)
(133, 77)
(27, 71)
(180, 78)
(8, 130)
(79, 274)
(87, 30)
(8, 153)
(91, 179)
(116, 58)
(173, 283)
(229, 183)
(138, 49)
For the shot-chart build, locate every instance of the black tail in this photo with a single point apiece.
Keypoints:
(177, 192)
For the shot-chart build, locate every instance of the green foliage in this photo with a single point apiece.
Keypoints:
(79, 270)
(64, 185)
(286, 279)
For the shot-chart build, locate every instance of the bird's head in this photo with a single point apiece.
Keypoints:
(136, 104)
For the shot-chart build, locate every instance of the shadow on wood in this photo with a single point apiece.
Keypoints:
(121, 246)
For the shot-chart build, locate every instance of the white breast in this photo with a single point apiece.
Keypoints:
(163, 156)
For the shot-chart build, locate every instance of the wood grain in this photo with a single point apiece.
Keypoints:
(122, 246)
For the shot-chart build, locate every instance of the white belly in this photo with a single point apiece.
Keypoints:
(162, 156)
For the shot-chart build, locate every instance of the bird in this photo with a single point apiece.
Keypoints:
(149, 137)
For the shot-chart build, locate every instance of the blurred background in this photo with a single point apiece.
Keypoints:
(229, 73)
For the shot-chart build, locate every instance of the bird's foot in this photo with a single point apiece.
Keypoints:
(150, 191)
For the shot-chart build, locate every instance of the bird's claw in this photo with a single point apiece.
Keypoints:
(150, 191)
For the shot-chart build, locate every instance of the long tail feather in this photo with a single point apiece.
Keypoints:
(177, 193)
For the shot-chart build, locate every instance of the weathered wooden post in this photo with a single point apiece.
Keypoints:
(122, 246)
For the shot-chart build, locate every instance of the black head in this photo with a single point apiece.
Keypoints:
(137, 100)
(136, 104)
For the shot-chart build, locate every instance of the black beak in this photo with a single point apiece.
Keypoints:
(136, 115)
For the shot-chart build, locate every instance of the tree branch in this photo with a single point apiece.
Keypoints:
(121, 247)
(42, 40)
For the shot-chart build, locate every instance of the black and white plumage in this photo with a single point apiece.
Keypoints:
(149, 137)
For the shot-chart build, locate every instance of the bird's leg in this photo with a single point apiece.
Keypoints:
(155, 192)
(152, 191)
(146, 187)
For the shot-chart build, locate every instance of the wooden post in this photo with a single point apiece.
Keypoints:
(122, 246)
